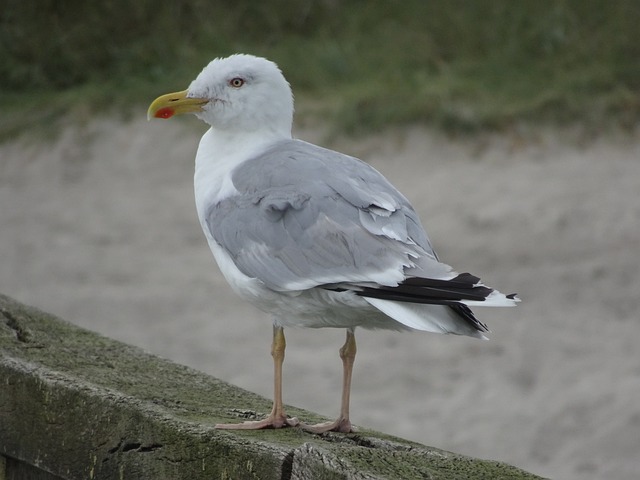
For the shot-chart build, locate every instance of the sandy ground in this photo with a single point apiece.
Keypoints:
(98, 226)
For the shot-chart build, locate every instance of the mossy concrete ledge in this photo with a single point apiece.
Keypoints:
(78, 405)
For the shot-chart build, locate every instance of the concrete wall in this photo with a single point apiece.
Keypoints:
(77, 405)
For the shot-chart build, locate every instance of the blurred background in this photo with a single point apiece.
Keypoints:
(511, 126)
(458, 65)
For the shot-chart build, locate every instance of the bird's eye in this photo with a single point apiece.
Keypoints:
(236, 82)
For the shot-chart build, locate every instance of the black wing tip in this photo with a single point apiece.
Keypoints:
(429, 290)
(467, 314)
(451, 293)
(462, 280)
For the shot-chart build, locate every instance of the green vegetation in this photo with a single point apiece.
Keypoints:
(460, 65)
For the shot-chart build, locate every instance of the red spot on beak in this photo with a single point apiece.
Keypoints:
(166, 112)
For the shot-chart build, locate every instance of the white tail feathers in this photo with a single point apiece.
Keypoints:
(428, 318)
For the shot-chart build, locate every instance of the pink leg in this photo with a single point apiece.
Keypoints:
(277, 418)
(342, 424)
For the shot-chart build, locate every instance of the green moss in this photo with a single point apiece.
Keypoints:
(84, 406)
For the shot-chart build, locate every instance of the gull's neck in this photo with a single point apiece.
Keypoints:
(225, 146)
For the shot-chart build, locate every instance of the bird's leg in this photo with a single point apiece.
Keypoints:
(277, 418)
(278, 346)
(342, 424)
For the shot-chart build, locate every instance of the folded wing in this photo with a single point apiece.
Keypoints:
(306, 217)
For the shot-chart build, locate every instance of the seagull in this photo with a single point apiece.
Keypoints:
(313, 237)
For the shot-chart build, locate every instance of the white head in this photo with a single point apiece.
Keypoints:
(240, 93)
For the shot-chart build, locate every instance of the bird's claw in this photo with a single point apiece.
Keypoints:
(269, 422)
(341, 425)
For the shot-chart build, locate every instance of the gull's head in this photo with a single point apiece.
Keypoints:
(239, 93)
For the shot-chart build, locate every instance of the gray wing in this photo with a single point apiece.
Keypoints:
(306, 216)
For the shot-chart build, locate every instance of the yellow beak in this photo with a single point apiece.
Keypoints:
(166, 106)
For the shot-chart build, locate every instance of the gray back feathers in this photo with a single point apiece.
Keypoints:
(307, 216)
